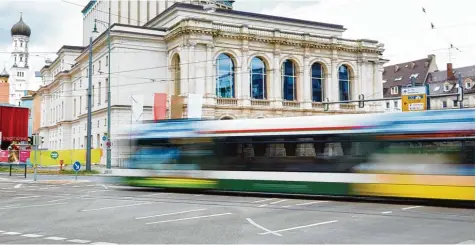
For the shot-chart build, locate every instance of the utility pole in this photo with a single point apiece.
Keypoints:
(460, 82)
(108, 142)
(90, 85)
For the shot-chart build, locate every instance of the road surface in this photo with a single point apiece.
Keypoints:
(65, 211)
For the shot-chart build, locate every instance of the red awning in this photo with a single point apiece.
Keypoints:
(14, 123)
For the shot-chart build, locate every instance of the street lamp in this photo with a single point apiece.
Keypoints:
(108, 142)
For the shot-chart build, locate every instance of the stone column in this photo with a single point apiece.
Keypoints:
(245, 78)
(276, 150)
(276, 84)
(305, 149)
(210, 76)
(334, 82)
(306, 83)
(192, 87)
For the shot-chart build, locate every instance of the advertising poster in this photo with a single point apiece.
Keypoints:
(24, 155)
(3, 156)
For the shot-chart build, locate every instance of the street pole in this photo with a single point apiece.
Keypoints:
(108, 143)
(36, 162)
(90, 85)
(460, 82)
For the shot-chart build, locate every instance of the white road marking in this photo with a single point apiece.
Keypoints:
(263, 228)
(387, 212)
(300, 227)
(26, 197)
(32, 235)
(61, 199)
(7, 191)
(103, 243)
(17, 186)
(44, 188)
(408, 208)
(105, 187)
(79, 241)
(1, 231)
(264, 205)
(182, 212)
(197, 217)
(263, 200)
(38, 205)
(55, 238)
(287, 206)
(151, 195)
(12, 233)
(278, 201)
(55, 187)
(122, 206)
(75, 186)
(199, 195)
(467, 242)
(64, 194)
(309, 203)
(91, 185)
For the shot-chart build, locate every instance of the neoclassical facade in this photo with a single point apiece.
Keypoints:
(243, 65)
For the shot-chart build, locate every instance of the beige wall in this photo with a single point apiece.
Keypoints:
(37, 113)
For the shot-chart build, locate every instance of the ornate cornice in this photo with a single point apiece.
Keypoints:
(187, 30)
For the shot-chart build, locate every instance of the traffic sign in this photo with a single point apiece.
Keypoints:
(414, 99)
(54, 154)
(104, 138)
(76, 166)
(108, 144)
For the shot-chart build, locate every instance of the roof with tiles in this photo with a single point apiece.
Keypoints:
(441, 84)
(401, 74)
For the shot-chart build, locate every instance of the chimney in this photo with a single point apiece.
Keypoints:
(449, 72)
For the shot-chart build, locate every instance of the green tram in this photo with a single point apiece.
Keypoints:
(427, 155)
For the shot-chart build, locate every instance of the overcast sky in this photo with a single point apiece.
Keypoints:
(400, 24)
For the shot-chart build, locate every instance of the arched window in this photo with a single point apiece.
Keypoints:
(317, 81)
(289, 80)
(225, 77)
(344, 83)
(258, 79)
(176, 74)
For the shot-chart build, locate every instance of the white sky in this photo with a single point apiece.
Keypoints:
(399, 24)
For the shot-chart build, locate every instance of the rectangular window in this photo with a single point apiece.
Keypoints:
(395, 104)
(107, 60)
(62, 110)
(74, 107)
(80, 103)
(107, 90)
(455, 103)
(80, 83)
(99, 66)
(105, 122)
(388, 105)
(99, 93)
(395, 90)
(92, 97)
(444, 104)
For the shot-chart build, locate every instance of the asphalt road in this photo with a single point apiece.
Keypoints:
(89, 211)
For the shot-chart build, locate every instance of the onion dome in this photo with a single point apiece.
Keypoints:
(21, 29)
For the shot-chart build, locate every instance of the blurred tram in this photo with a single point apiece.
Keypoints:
(422, 155)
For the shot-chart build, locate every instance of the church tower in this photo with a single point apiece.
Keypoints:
(20, 71)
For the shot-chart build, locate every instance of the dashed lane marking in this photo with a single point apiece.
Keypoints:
(26, 197)
(309, 203)
(38, 205)
(264, 205)
(55, 238)
(182, 212)
(387, 212)
(413, 207)
(62, 199)
(196, 217)
(278, 201)
(79, 241)
(12, 233)
(300, 227)
(122, 206)
(32, 235)
(263, 200)
(17, 186)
